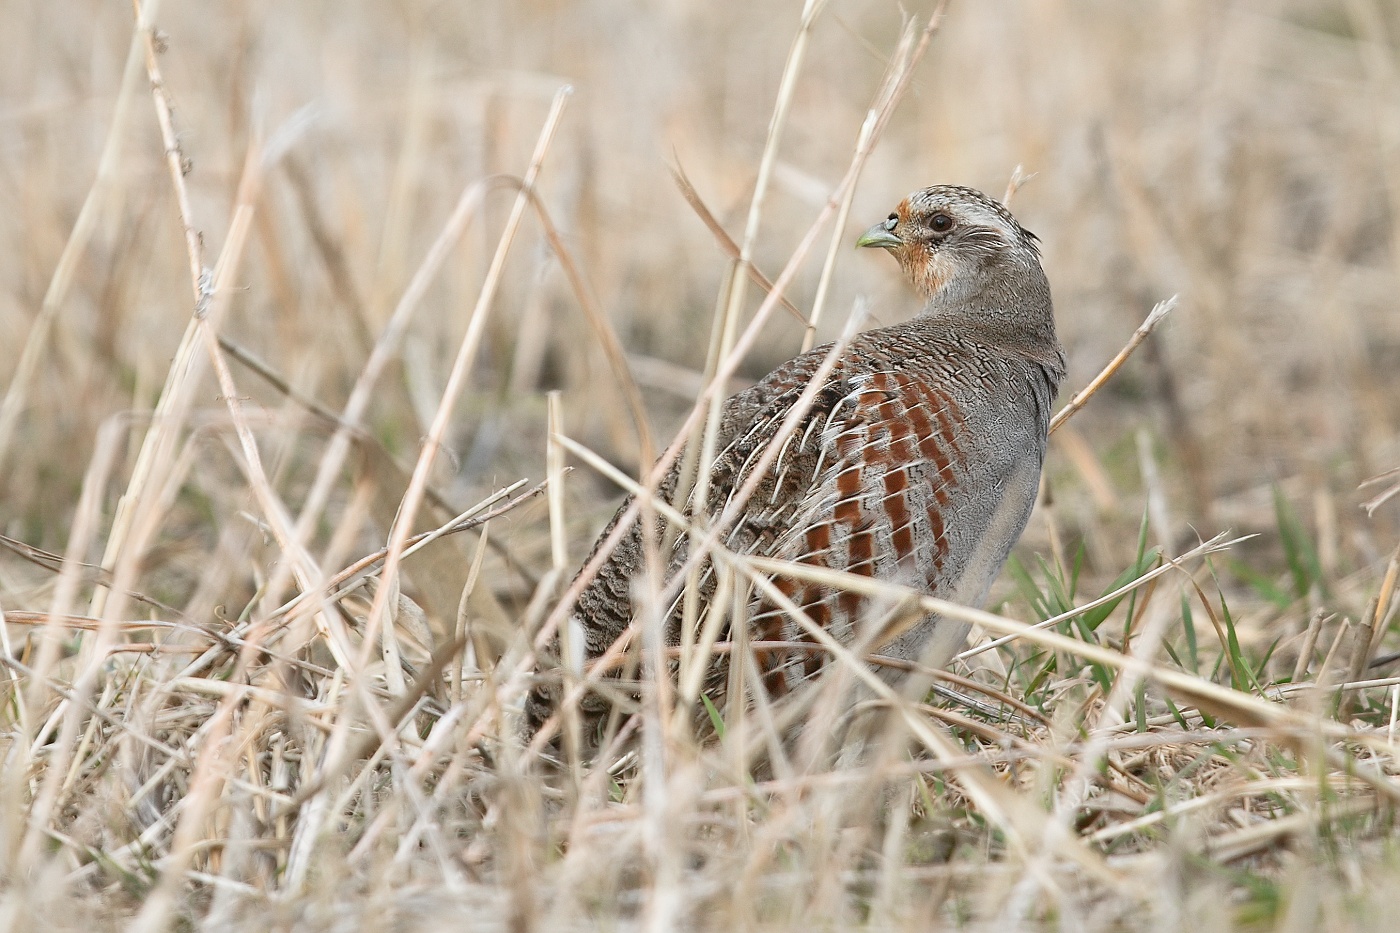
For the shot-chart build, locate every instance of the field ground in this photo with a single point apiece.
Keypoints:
(274, 301)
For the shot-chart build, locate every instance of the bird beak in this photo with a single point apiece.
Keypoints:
(879, 236)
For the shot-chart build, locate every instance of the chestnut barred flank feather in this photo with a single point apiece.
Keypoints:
(917, 462)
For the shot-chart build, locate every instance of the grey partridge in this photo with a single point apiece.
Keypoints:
(917, 462)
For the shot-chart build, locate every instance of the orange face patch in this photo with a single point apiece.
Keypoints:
(902, 211)
(925, 267)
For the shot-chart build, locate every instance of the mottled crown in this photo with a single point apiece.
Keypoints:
(928, 200)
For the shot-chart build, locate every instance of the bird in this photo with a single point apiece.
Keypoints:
(916, 462)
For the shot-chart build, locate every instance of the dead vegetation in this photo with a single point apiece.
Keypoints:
(291, 289)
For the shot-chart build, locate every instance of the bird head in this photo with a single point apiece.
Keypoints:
(953, 242)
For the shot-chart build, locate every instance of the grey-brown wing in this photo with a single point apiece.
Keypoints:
(865, 484)
(605, 606)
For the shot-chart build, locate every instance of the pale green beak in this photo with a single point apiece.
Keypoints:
(879, 236)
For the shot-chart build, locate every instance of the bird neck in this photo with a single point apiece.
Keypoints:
(1005, 306)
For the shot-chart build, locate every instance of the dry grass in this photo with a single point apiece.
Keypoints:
(270, 588)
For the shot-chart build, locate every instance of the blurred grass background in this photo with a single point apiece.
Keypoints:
(1241, 154)
(1245, 155)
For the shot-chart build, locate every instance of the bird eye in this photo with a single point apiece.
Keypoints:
(891, 221)
(940, 223)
